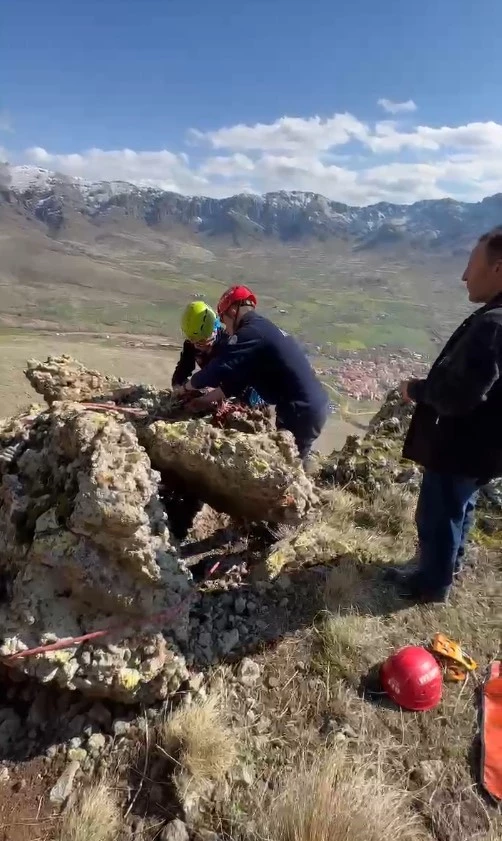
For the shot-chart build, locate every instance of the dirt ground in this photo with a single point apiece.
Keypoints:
(136, 358)
(26, 813)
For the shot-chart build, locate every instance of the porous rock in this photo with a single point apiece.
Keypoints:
(64, 378)
(84, 545)
(251, 477)
(317, 544)
(369, 465)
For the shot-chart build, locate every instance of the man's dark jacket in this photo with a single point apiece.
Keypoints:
(457, 424)
(261, 355)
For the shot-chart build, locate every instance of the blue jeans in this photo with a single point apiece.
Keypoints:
(444, 516)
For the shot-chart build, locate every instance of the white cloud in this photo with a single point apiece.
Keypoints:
(288, 134)
(340, 157)
(161, 168)
(397, 107)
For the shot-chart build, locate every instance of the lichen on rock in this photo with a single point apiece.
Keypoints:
(250, 476)
(315, 544)
(85, 545)
(64, 378)
(369, 465)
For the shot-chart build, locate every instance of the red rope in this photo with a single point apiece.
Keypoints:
(164, 616)
(111, 407)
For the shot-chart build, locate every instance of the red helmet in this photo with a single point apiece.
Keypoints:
(235, 295)
(412, 678)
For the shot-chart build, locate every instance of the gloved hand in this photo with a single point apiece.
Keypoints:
(205, 401)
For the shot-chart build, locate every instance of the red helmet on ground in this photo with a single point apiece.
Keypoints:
(235, 295)
(412, 678)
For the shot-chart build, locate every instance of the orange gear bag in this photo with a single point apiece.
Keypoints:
(491, 732)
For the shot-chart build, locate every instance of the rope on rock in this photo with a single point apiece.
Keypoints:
(69, 642)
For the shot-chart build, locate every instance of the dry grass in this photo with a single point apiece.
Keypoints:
(96, 816)
(340, 507)
(384, 526)
(197, 738)
(332, 799)
(344, 584)
(391, 513)
(344, 645)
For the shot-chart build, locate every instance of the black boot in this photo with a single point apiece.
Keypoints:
(413, 587)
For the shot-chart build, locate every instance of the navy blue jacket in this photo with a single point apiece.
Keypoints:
(264, 357)
(456, 426)
(191, 357)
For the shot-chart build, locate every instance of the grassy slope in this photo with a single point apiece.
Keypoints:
(304, 753)
(139, 283)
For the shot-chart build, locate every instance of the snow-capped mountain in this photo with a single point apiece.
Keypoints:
(54, 199)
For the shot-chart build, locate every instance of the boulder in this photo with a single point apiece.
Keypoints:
(64, 378)
(85, 545)
(249, 476)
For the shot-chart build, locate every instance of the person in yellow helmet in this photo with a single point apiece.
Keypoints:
(205, 338)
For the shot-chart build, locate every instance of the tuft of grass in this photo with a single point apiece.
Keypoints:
(343, 585)
(199, 741)
(95, 816)
(332, 799)
(344, 644)
(372, 526)
(339, 507)
(391, 513)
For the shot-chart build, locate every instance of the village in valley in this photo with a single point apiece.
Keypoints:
(369, 376)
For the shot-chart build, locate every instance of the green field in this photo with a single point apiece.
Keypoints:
(330, 299)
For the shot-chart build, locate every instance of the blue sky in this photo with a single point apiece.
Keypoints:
(113, 75)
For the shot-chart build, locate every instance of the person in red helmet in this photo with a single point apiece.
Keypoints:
(260, 355)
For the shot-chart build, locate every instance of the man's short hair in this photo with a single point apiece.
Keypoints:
(493, 242)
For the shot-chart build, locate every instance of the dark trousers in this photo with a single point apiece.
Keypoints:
(444, 516)
(306, 425)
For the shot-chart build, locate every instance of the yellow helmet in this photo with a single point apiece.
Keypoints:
(198, 321)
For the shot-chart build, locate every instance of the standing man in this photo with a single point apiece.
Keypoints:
(260, 355)
(456, 430)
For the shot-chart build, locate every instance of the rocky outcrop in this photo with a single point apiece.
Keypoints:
(63, 378)
(252, 477)
(392, 419)
(84, 535)
(369, 465)
(85, 545)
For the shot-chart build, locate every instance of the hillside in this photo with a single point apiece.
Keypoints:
(222, 684)
(115, 256)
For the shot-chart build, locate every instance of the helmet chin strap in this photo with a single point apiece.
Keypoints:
(235, 317)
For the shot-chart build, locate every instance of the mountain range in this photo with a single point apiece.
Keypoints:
(57, 201)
